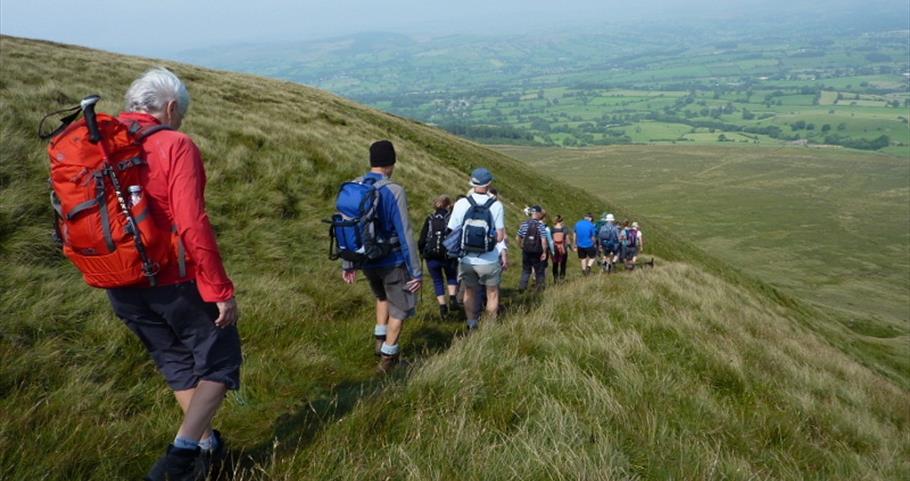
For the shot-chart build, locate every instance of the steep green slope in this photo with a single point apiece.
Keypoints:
(79, 399)
(664, 374)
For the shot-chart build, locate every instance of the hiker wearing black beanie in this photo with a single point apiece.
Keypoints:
(396, 277)
(382, 154)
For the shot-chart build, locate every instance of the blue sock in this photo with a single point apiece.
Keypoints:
(380, 331)
(472, 323)
(389, 350)
(185, 443)
(208, 444)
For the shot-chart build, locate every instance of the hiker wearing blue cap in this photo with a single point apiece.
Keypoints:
(481, 221)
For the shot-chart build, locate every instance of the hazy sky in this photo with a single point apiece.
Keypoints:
(166, 26)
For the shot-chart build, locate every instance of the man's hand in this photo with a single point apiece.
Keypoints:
(414, 285)
(349, 276)
(543, 256)
(228, 314)
(504, 261)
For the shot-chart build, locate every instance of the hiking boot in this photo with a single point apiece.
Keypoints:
(211, 460)
(379, 341)
(443, 311)
(453, 305)
(179, 465)
(387, 363)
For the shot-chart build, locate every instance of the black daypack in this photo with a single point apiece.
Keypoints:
(478, 234)
(437, 224)
(531, 242)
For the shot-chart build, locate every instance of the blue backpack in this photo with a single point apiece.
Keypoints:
(353, 235)
(608, 233)
(478, 234)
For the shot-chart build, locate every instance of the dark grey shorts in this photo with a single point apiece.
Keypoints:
(390, 284)
(177, 328)
(587, 252)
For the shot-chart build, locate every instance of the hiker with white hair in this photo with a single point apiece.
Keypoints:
(187, 318)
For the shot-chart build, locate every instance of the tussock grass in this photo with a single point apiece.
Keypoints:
(686, 372)
(666, 374)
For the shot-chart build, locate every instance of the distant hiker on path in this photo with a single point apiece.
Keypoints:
(608, 241)
(532, 237)
(481, 219)
(583, 238)
(187, 322)
(628, 241)
(641, 241)
(396, 275)
(561, 249)
(443, 269)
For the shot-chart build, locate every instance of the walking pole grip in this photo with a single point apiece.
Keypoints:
(88, 108)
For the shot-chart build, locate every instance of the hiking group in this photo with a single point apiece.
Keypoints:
(128, 193)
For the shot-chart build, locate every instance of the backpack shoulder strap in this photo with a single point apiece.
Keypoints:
(471, 201)
(489, 203)
(142, 134)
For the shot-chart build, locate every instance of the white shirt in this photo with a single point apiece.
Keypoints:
(457, 218)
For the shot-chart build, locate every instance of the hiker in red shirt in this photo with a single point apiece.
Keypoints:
(187, 321)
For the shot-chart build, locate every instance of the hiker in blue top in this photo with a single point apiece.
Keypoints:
(608, 241)
(584, 242)
(396, 277)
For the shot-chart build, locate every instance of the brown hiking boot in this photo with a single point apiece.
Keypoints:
(387, 363)
(379, 341)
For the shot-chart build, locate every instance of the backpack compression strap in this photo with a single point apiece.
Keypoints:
(64, 122)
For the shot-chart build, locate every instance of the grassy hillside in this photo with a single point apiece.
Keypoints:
(691, 370)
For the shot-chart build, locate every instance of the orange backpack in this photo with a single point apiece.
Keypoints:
(110, 238)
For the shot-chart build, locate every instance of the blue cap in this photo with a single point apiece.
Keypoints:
(481, 177)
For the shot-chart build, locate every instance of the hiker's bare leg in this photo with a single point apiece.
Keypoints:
(184, 397)
(453, 290)
(382, 312)
(394, 330)
(492, 302)
(441, 300)
(204, 403)
(470, 310)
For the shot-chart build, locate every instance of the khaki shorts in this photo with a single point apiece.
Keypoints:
(474, 275)
(390, 284)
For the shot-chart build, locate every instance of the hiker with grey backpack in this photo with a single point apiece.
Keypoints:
(476, 227)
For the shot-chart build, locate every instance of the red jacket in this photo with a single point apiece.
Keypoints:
(176, 184)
